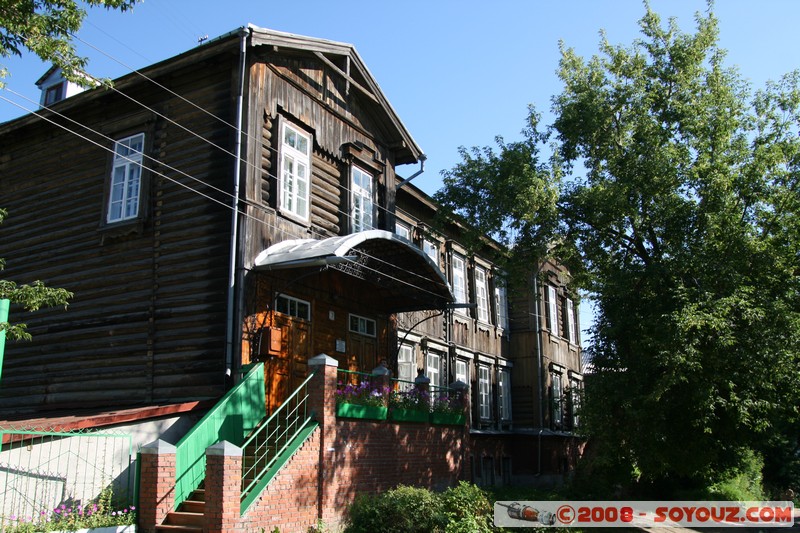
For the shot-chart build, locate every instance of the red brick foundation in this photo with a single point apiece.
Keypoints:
(341, 459)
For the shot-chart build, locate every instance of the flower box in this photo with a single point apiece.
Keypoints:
(448, 419)
(400, 414)
(369, 412)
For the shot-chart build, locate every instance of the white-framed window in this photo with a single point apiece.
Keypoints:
(482, 294)
(295, 187)
(362, 206)
(126, 179)
(362, 325)
(430, 249)
(572, 332)
(557, 400)
(575, 402)
(433, 368)
(459, 281)
(291, 306)
(504, 393)
(462, 371)
(552, 310)
(501, 307)
(406, 369)
(484, 394)
(402, 230)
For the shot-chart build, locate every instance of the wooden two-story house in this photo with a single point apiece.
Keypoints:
(240, 203)
(231, 204)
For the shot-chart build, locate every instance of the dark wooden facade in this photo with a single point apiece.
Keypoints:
(148, 322)
(528, 346)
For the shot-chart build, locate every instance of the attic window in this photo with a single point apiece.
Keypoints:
(54, 93)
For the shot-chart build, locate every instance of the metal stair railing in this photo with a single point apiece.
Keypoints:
(266, 450)
(232, 418)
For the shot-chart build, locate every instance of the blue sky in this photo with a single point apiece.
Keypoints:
(457, 72)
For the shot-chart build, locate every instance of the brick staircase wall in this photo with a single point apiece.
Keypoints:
(341, 459)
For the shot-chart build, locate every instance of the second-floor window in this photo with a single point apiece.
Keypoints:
(362, 206)
(501, 305)
(552, 310)
(572, 332)
(459, 281)
(402, 230)
(295, 183)
(482, 294)
(126, 179)
(431, 250)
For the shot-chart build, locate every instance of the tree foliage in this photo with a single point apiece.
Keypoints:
(30, 297)
(45, 27)
(509, 193)
(682, 207)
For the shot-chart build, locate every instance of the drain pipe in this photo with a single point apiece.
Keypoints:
(422, 158)
(540, 363)
(237, 174)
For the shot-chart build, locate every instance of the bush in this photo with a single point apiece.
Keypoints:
(743, 483)
(468, 509)
(401, 510)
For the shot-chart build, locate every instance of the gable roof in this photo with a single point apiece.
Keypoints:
(359, 77)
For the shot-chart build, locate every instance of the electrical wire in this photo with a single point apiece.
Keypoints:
(275, 228)
(191, 132)
(250, 164)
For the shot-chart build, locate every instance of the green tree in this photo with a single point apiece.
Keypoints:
(679, 214)
(509, 193)
(45, 27)
(686, 221)
(31, 297)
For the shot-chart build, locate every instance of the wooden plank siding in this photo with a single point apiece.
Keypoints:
(308, 93)
(147, 323)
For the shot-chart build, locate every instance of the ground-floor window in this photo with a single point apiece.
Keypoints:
(406, 370)
(484, 388)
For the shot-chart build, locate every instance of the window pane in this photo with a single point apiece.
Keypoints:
(431, 251)
(552, 310)
(459, 281)
(295, 172)
(125, 187)
(481, 294)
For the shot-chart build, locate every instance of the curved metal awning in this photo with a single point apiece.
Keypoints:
(399, 273)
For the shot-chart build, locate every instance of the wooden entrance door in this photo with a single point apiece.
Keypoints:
(286, 370)
(362, 353)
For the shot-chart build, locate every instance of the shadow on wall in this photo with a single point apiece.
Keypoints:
(372, 457)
